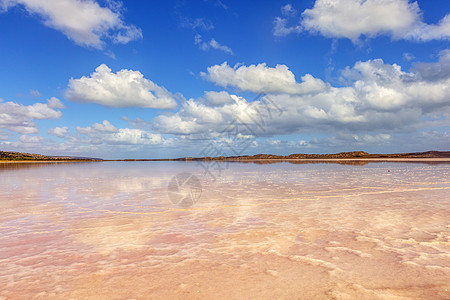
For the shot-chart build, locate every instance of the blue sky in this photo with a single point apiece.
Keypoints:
(153, 79)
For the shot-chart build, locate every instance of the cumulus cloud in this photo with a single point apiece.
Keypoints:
(83, 21)
(96, 128)
(262, 79)
(54, 102)
(426, 32)
(281, 28)
(134, 137)
(31, 139)
(211, 44)
(387, 87)
(20, 118)
(370, 18)
(376, 103)
(437, 70)
(218, 98)
(106, 133)
(126, 88)
(59, 131)
(97, 140)
(374, 106)
(280, 24)
(375, 100)
(203, 119)
(401, 19)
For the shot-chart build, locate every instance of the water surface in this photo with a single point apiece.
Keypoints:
(108, 230)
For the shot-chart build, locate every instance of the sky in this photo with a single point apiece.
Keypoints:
(163, 79)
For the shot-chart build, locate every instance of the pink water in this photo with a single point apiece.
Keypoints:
(272, 231)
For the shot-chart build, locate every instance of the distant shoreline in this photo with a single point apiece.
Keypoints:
(429, 156)
(268, 160)
(317, 159)
(298, 160)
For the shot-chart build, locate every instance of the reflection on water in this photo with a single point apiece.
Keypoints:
(8, 166)
(109, 231)
(352, 162)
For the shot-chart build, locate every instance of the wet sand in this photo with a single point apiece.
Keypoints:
(278, 231)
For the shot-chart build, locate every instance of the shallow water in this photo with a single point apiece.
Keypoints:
(263, 231)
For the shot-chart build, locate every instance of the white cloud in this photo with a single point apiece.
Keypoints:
(281, 29)
(401, 19)
(437, 70)
(353, 139)
(106, 133)
(262, 79)
(199, 23)
(59, 131)
(353, 18)
(425, 32)
(83, 21)
(201, 119)
(218, 98)
(20, 118)
(274, 142)
(376, 100)
(126, 88)
(31, 139)
(211, 44)
(110, 54)
(408, 56)
(372, 109)
(287, 10)
(344, 141)
(176, 124)
(104, 127)
(54, 102)
(387, 87)
(134, 137)
(35, 93)
(97, 140)
(3, 135)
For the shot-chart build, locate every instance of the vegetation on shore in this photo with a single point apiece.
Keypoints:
(18, 156)
(341, 155)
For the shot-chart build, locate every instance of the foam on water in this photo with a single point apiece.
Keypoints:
(109, 231)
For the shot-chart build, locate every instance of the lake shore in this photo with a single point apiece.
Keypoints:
(443, 159)
(46, 161)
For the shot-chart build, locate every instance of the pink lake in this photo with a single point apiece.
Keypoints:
(109, 230)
